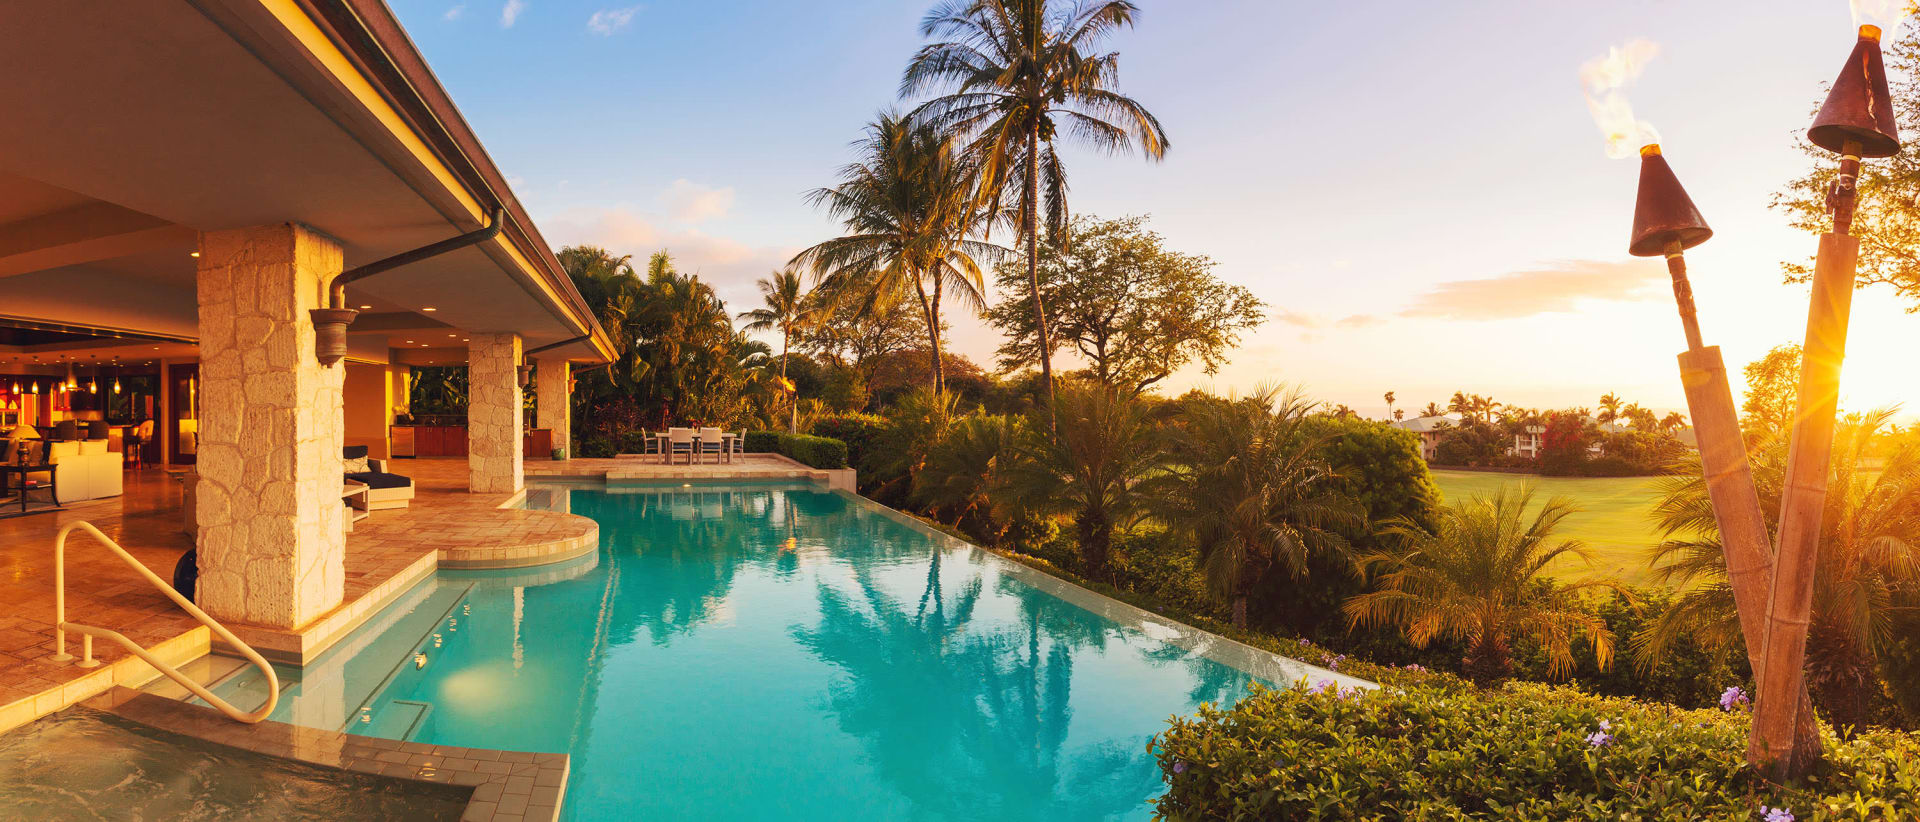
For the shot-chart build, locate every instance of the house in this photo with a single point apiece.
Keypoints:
(1528, 442)
(240, 223)
(1430, 430)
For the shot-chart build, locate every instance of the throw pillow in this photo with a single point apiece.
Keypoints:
(357, 466)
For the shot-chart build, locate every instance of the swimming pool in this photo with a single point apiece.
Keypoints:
(781, 651)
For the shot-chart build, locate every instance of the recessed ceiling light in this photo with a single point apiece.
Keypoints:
(365, 307)
(193, 253)
(409, 342)
(429, 308)
(453, 335)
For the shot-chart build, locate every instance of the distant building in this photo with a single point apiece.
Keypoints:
(1429, 430)
(1528, 442)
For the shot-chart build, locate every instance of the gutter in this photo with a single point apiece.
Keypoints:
(330, 324)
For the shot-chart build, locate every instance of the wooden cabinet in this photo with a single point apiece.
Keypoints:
(538, 444)
(432, 440)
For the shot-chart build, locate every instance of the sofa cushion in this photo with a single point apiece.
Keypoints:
(93, 447)
(375, 479)
(353, 452)
(59, 450)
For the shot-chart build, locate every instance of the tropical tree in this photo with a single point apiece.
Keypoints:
(786, 309)
(1611, 407)
(908, 203)
(1868, 567)
(1251, 493)
(1772, 400)
(1477, 576)
(1090, 467)
(1390, 410)
(1433, 409)
(1133, 309)
(1020, 76)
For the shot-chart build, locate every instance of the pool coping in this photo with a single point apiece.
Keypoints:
(508, 786)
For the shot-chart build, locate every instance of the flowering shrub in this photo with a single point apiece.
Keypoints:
(1526, 751)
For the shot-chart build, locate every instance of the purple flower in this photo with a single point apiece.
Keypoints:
(1179, 766)
(1334, 664)
(1416, 667)
(1323, 686)
(1775, 814)
(1732, 697)
(1606, 725)
(1307, 642)
(1599, 739)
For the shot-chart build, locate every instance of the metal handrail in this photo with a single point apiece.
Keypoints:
(88, 632)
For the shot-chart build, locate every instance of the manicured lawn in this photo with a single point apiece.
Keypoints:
(1615, 517)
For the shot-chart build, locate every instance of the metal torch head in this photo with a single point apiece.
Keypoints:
(1859, 107)
(1663, 214)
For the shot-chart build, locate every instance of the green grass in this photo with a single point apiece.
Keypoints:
(1615, 519)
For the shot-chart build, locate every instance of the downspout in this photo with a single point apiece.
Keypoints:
(330, 324)
(526, 366)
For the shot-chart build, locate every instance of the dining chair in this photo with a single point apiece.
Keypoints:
(737, 445)
(711, 443)
(680, 441)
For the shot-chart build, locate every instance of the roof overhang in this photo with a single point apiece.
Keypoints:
(132, 127)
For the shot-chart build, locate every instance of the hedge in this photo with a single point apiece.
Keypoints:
(812, 451)
(1526, 751)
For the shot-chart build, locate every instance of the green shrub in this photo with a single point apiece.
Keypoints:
(631, 442)
(811, 451)
(1526, 751)
(859, 431)
(596, 447)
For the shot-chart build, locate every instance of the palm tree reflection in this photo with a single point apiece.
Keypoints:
(969, 720)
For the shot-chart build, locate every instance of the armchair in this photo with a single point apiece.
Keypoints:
(384, 490)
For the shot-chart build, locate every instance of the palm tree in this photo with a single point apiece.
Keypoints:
(1478, 577)
(787, 309)
(1091, 466)
(1019, 74)
(963, 470)
(1611, 407)
(1673, 422)
(908, 203)
(1390, 412)
(1433, 409)
(1246, 487)
(1868, 565)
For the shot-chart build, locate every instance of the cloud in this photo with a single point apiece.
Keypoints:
(1358, 321)
(454, 13)
(689, 202)
(607, 21)
(510, 13)
(1556, 287)
(1297, 319)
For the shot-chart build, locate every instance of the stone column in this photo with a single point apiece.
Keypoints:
(268, 501)
(493, 413)
(553, 401)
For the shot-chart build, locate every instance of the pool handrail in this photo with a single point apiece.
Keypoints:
(88, 632)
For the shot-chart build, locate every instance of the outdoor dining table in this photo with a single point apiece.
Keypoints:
(664, 442)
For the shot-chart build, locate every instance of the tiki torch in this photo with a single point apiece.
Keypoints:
(1666, 223)
(1855, 122)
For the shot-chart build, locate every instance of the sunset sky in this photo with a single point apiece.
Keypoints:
(1417, 190)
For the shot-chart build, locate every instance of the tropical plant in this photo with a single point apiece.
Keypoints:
(1432, 410)
(1868, 566)
(1090, 467)
(1478, 577)
(1133, 309)
(1390, 410)
(964, 469)
(786, 309)
(909, 207)
(1251, 493)
(1610, 409)
(1021, 75)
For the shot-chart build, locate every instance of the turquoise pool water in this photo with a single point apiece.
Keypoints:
(781, 652)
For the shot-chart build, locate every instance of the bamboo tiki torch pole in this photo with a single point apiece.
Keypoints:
(1803, 498)
(1665, 222)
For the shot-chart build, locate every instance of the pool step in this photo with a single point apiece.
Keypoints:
(230, 678)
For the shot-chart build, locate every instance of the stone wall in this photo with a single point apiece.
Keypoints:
(493, 414)
(268, 504)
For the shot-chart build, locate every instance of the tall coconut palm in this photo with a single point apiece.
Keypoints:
(1868, 566)
(1478, 577)
(908, 203)
(1611, 409)
(787, 309)
(1246, 486)
(1389, 398)
(1090, 467)
(1020, 75)
(1433, 409)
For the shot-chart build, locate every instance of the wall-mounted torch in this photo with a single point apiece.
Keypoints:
(1665, 224)
(1855, 122)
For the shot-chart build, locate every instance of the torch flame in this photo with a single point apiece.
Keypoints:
(1883, 15)
(1602, 80)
